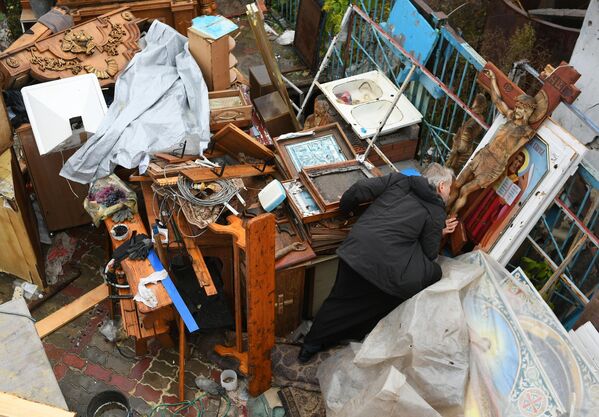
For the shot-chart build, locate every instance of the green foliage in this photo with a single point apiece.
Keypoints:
(537, 271)
(335, 10)
(13, 12)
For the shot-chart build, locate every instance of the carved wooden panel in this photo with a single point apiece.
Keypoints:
(102, 46)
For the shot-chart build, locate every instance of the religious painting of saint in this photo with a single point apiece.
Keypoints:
(496, 205)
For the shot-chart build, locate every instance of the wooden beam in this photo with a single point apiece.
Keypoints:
(199, 266)
(71, 311)
(231, 171)
(13, 406)
(260, 289)
(576, 13)
(562, 267)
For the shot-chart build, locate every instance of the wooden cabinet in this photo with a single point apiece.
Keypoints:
(61, 201)
(214, 58)
(274, 113)
(289, 300)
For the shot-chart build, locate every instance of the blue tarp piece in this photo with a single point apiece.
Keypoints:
(170, 288)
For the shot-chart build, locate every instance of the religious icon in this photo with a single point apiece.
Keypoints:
(490, 162)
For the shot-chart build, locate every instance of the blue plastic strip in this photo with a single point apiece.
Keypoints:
(170, 288)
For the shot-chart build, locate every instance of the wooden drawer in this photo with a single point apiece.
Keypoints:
(229, 106)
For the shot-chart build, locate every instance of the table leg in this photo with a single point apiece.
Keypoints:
(181, 360)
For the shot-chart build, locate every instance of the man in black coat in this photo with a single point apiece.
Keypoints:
(389, 255)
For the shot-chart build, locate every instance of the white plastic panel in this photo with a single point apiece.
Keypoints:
(53, 107)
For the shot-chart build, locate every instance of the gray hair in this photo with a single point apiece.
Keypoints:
(437, 174)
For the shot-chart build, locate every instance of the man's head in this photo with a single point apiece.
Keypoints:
(524, 108)
(439, 177)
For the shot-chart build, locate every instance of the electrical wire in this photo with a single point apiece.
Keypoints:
(183, 406)
(223, 196)
(17, 314)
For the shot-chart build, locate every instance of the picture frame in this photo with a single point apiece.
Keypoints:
(327, 183)
(564, 153)
(328, 144)
(301, 202)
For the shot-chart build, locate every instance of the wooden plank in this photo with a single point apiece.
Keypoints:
(199, 266)
(172, 159)
(233, 141)
(71, 311)
(260, 283)
(13, 406)
(231, 171)
(577, 13)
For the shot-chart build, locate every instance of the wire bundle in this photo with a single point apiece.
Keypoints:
(223, 196)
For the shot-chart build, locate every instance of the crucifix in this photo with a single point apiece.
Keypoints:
(523, 113)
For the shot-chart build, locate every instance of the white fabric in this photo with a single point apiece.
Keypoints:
(146, 295)
(160, 101)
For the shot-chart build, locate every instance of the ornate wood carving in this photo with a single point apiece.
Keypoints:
(102, 46)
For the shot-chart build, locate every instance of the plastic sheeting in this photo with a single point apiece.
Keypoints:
(161, 101)
(422, 347)
(477, 343)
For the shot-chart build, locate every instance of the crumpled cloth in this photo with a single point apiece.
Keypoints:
(161, 101)
(146, 295)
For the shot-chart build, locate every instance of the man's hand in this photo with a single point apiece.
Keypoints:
(450, 225)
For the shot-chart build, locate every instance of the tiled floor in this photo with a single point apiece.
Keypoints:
(85, 363)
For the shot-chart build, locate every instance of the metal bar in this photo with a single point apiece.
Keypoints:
(578, 213)
(325, 60)
(589, 269)
(455, 108)
(562, 267)
(573, 288)
(420, 66)
(575, 219)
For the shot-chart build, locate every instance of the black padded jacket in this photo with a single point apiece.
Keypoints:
(395, 242)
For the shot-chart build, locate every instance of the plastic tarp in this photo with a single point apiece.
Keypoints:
(160, 101)
(458, 348)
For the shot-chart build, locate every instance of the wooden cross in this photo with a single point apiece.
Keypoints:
(558, 86)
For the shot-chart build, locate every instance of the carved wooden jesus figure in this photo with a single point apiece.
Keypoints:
(490, 162)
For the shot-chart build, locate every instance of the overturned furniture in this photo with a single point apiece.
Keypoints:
(102, 46)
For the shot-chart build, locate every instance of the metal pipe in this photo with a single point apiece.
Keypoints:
(325, 60)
